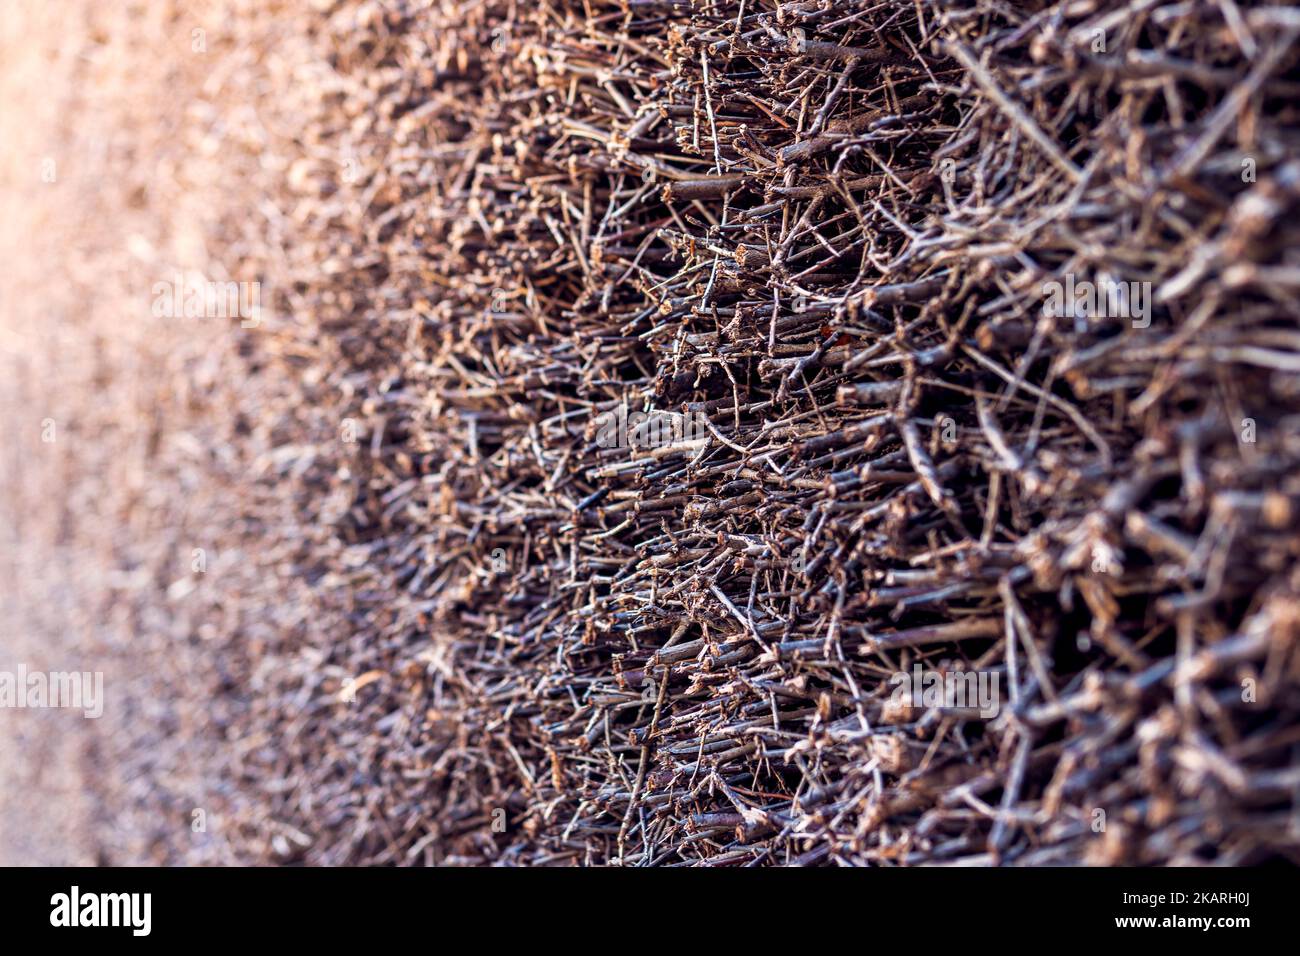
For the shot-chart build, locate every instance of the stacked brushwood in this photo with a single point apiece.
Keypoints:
(827, 234)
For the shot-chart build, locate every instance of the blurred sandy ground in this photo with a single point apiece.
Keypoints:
(160, 161)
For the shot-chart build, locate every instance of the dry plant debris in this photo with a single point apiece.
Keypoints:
(831, 252)
(827, 232)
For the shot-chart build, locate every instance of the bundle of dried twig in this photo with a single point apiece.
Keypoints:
(980, 325)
